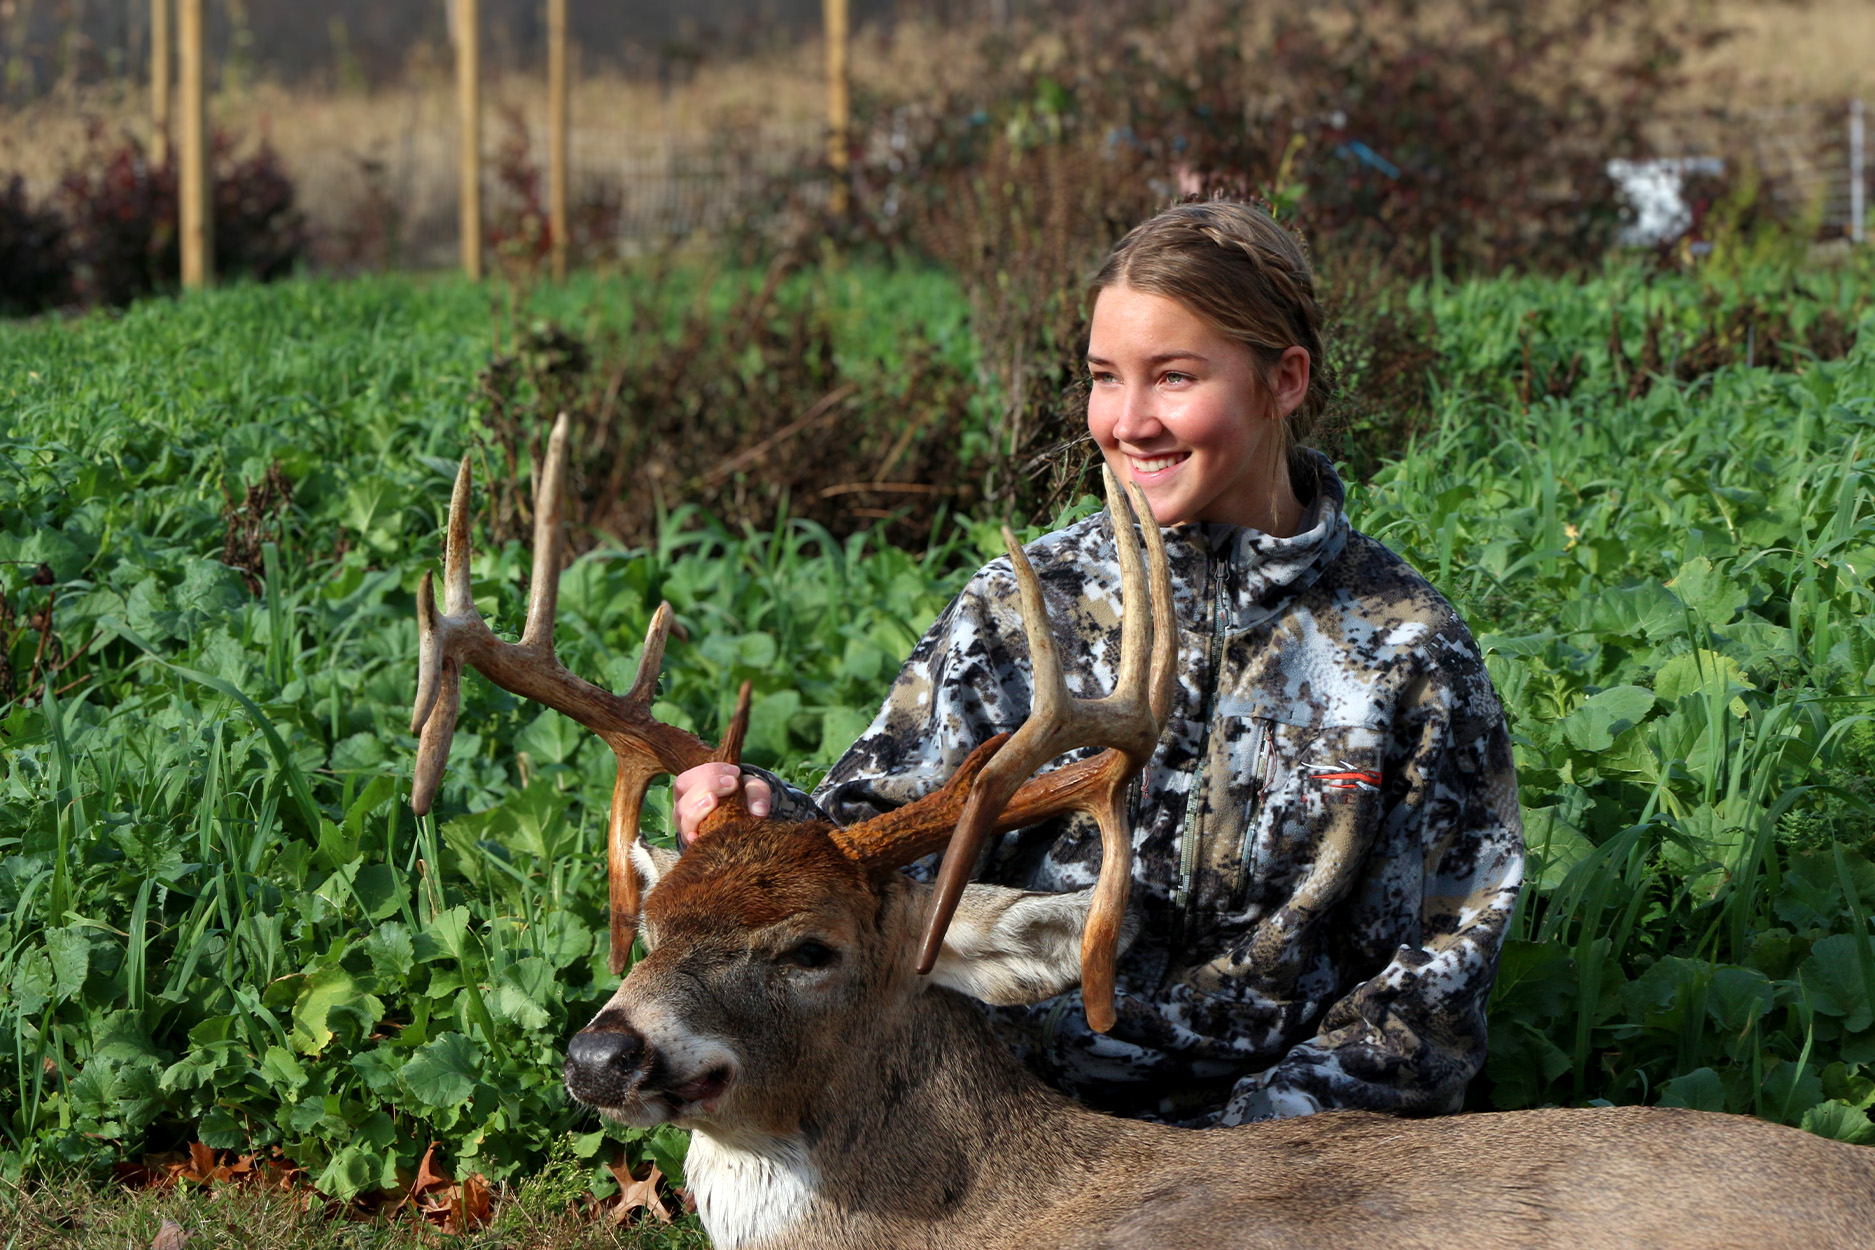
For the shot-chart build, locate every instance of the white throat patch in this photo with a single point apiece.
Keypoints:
(748, 1195)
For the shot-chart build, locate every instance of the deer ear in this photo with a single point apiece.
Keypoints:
(1015, 946)
(652, 862)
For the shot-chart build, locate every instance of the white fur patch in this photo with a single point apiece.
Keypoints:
(751, 1193)
(1013, 946)
(651, 863)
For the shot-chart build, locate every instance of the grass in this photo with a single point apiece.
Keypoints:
(75, 1215)
(220, 924)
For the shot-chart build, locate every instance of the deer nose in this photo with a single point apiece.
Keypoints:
(604, 1065)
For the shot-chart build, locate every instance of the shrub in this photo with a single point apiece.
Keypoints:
(124, 216)
(34, 271)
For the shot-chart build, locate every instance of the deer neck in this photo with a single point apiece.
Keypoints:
(912, 1136)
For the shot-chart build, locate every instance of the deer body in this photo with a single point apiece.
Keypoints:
(870, 1108)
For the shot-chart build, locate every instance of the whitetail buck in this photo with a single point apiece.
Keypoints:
(840, 1099)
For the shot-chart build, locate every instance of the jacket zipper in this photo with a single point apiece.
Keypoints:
(1191, 834)
(1259, 791)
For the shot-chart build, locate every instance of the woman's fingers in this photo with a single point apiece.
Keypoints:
(698, 790)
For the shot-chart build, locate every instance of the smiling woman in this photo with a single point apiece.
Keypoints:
(1327, 844)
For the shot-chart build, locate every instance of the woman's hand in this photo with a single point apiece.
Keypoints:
(697, 791)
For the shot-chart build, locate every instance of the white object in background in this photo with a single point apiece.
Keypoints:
(1654, 189)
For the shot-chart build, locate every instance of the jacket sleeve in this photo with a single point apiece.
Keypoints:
(1433, 904)
(961, 686)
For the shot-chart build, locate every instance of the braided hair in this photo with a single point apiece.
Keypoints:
(1247, 277)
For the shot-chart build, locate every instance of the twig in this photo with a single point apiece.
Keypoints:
(822, 407)
(895, 488)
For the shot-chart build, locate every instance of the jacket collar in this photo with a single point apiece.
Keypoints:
(1258, 572)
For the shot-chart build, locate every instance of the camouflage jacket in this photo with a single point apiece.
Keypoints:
(1327, 841)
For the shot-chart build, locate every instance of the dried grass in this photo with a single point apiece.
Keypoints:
(74, 1215)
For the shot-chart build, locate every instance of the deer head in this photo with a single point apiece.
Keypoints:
(770, 942)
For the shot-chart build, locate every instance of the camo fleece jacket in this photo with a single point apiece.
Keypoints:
(1327, 840)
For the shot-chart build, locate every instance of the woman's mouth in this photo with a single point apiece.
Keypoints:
(1151, 466)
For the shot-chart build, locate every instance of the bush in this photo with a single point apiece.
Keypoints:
(34, 272)
(124, 216)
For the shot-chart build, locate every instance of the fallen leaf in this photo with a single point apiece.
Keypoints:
(201, 1163)
(171, 1236)
(635, 1193)
(430, 1174)
(471, 1207)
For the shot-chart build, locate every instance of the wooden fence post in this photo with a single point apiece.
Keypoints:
(159, 82)
(556, 132)
(192, 185)
(838, 105)
(469, 110)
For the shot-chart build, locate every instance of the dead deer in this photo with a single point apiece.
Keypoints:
(839, 1098)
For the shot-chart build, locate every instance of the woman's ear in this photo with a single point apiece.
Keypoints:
(1289, 381)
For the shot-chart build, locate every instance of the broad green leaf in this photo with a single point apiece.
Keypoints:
(1704, 673)
(1701, 1089)
(1710, 594)
(328, 992)
(1555, 845)
(1603, 717)
(281, 1068)
(70, 952)
(446, 936)
(1833, 977)
(1839, 1121)
(550, 738)
(391, 952)
(1738, 998)
(381, 890)
(444, 1072)
(769, 717)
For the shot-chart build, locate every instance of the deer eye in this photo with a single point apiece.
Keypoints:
(810, 954)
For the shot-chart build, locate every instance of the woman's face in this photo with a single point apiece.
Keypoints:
(1183, 411)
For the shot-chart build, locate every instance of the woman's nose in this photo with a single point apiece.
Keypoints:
(1138, 416)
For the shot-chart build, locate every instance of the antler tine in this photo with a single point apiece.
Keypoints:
(456, 596)
(439, 672)
(1128, 720)
(543, 589)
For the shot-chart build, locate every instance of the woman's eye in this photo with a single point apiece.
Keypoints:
(1177, 379)
(810, 954)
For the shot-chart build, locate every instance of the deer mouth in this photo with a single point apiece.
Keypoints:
(701, 1093)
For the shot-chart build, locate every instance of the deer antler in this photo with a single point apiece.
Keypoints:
(994, 789)
(457, 636)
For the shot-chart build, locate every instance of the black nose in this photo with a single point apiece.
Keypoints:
(603, 1065)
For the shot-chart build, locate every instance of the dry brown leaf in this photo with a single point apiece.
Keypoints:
(471, 1206)
(171, 1236)
(637, 1193)
(430, 1174)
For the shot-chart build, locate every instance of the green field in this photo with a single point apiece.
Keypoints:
(221, 923)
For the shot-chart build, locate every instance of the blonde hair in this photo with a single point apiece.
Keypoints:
(1248, 278)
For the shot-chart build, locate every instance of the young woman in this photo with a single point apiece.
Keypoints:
(1327, 840)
